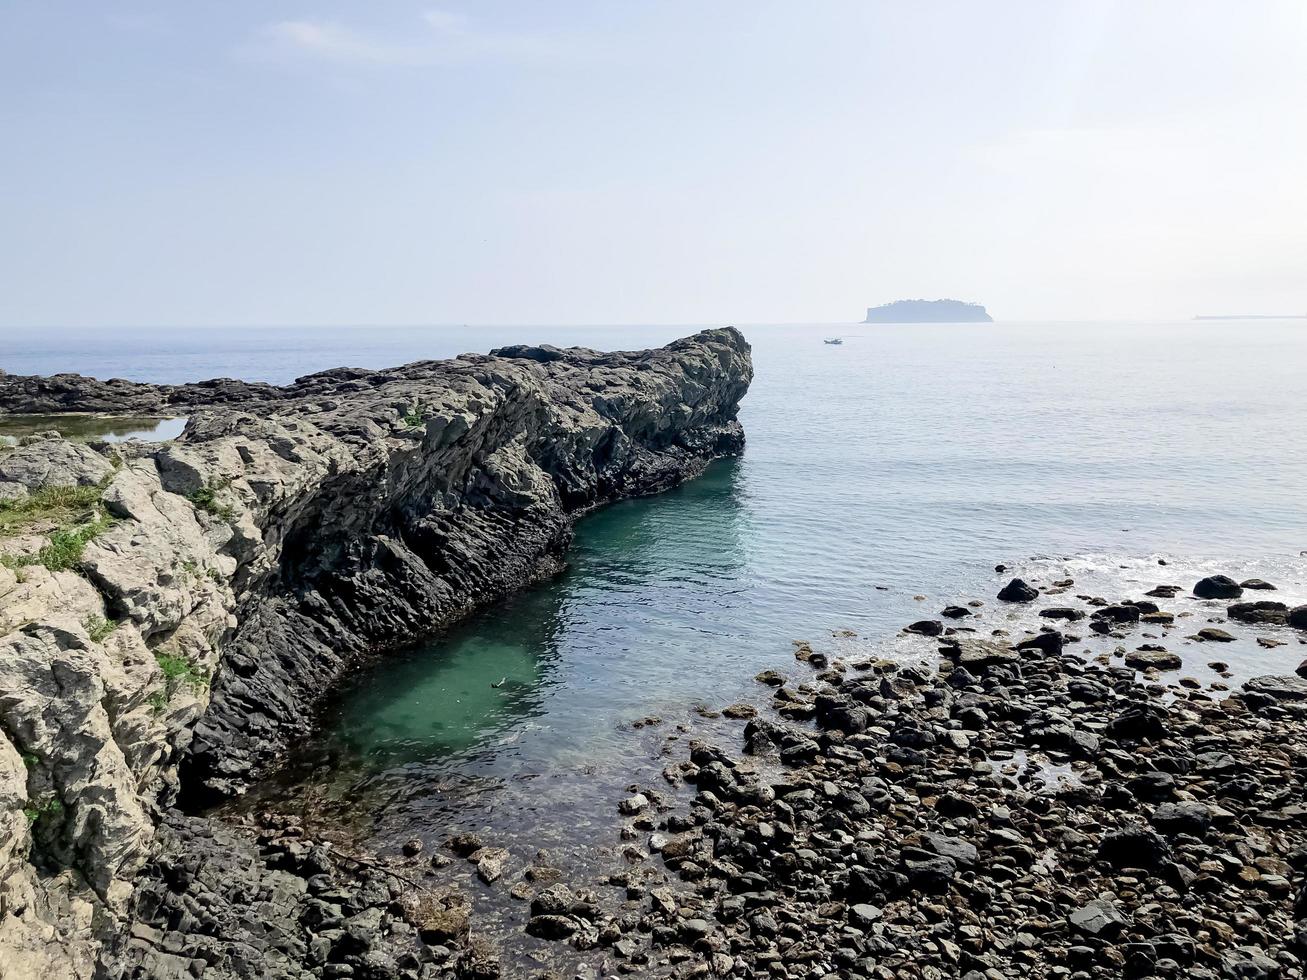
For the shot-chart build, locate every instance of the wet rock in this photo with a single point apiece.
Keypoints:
(1050, 642)
(1257, 584)
(1218, 587)
(1063, 612)
(1164, 591)
(1018, 591)
(1298, 617)
(955, 612)
(1284, 688)
(1263, 612)
(976, 655)
(1122, 613)
(926, 627)
(465, 845)
(1214, 635)
(634, 804)
(1155, 659)
(490, 863)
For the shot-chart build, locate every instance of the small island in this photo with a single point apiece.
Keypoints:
(928, 311)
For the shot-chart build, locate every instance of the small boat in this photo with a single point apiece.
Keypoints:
(834, 340)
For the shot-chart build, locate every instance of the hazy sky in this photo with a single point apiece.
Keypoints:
(252, 161)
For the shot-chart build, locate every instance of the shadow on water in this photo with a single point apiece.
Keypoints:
(536, 685)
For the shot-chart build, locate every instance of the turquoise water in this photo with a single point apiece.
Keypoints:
(905, 462)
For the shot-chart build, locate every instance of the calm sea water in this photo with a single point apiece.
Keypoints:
(904, 463)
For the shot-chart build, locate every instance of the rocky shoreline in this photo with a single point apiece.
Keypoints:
(1044, 786)
(1041, 803)
(171, 613)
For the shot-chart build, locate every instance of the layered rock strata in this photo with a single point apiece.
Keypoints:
(170, 614)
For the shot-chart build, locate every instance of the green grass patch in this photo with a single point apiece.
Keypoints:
(178, 670)
(206, 499)
(49, 806)
(65, 549)
(158, 702)
(416, 417)
(98, 628)
(58, 504)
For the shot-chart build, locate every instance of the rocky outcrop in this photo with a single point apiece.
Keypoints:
(172, 623)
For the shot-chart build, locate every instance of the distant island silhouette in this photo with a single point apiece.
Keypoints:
(928, 311)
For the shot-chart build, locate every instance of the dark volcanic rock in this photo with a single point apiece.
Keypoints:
(420, 530)
(1264, 611)
(1257, 584)
(267, 904)
(1019, 813)
(1018, 591)
(926, 627)
(1063, 612)
(1298, 617)
(1218, 587)
(1285, 688)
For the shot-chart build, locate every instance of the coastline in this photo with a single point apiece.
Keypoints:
(173, 611)
(780, 828)
(1017, 801)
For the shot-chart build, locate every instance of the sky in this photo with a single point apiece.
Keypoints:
(209, 164)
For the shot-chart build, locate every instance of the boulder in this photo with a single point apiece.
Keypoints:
(1050, 642)
(926, 627)
(1018, 591)
(975, 655)
(1063, 612)
(1263, 612)
(1218, 587)
(1280, 688)
(1157, 659)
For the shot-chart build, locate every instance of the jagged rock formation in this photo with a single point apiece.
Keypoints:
(172, 624)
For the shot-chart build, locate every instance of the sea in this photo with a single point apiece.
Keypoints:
(883, 478)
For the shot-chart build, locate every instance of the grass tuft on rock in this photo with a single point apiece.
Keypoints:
(417, 417)
(49, 806)
(98, 628)
(57, 504)
(206, 499)
(65, 549)
(178, 670)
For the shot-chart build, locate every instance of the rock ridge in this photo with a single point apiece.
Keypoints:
(170, 614)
